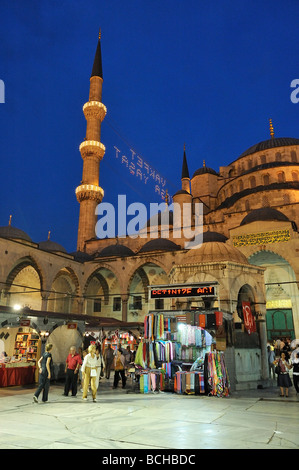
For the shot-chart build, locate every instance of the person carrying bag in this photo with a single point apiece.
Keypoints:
(89, 370)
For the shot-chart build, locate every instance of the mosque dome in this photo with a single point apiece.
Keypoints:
(51, 246)
(115, 250)
(204, 170)
(215, 251)
(263, 214)
(182, 191)
(81, 256)
(14, 233)
(159, 244)
(213, 237)
(152, 220)
(269, 144)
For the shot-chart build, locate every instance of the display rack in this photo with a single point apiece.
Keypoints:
(186, 354)
(27, 346)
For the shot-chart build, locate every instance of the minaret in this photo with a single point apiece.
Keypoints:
(89, 193)
(185, 173)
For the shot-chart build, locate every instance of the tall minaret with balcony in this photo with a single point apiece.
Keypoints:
(89, 194)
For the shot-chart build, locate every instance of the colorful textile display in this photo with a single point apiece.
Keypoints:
(151, 381)
(154, 326)
(189, 335)
(165, 351)
(216, 376)
(167, 367)
(191, 383)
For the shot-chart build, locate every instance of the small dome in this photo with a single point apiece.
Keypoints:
(161, 244)
(14, 233)
(211, 252)
(182, 191)
(262, 214)
(204, 170)
(213, 237)
(115, 250)
(269, 144)
(81, 256)
(152, 220)
(51, 246)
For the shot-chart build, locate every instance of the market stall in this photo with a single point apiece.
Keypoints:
(17, 374)
(176, 356)
(22, 349)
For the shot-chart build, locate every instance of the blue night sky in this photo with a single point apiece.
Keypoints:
(208, 74)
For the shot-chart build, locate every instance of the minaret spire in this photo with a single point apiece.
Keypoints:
(97, 69)
(89, 193)
(271, 129)
(185, 173)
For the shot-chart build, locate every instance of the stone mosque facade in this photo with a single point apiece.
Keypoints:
(250, 250)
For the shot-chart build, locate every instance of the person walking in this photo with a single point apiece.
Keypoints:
(283, 378)
(89, 370)
(119, 368)
(108, 359)
(44, 365)
(100, 365)
(295, 363)
(271, 359)
(72, 366)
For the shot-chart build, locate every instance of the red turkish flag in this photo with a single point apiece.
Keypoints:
(249, 322)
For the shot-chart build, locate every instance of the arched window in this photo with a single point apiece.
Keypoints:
(252, 182)
(241, 185)
(294, 176)
(231, 190)
(281, 177)
(293, 156)
(247, 205)
(278, 157)
(263, 159)
(266, 180)
(265, 201)
(249, 164)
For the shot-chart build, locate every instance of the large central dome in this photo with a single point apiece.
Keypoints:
(270, 144)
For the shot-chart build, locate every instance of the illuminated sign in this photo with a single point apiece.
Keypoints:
(162, 292)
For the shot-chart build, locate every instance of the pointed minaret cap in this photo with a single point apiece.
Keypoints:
(185, 171)
(97, 70)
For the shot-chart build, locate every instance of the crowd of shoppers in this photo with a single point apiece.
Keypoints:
(89, 366)
(86, 367)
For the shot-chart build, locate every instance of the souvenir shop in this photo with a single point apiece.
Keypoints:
(179, 351)
(23, 336)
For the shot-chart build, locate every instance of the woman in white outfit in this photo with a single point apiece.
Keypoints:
(89, 371)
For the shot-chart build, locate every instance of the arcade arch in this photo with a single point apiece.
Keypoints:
(139, 303)
(24, 285)
(282, 294)
(102, 294)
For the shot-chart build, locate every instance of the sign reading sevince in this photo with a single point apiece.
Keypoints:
(198, 290)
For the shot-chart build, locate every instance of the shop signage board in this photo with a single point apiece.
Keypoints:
(25, 322)
(192, 290)
(72, 326)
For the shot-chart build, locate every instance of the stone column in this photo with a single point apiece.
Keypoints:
(124, 307)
